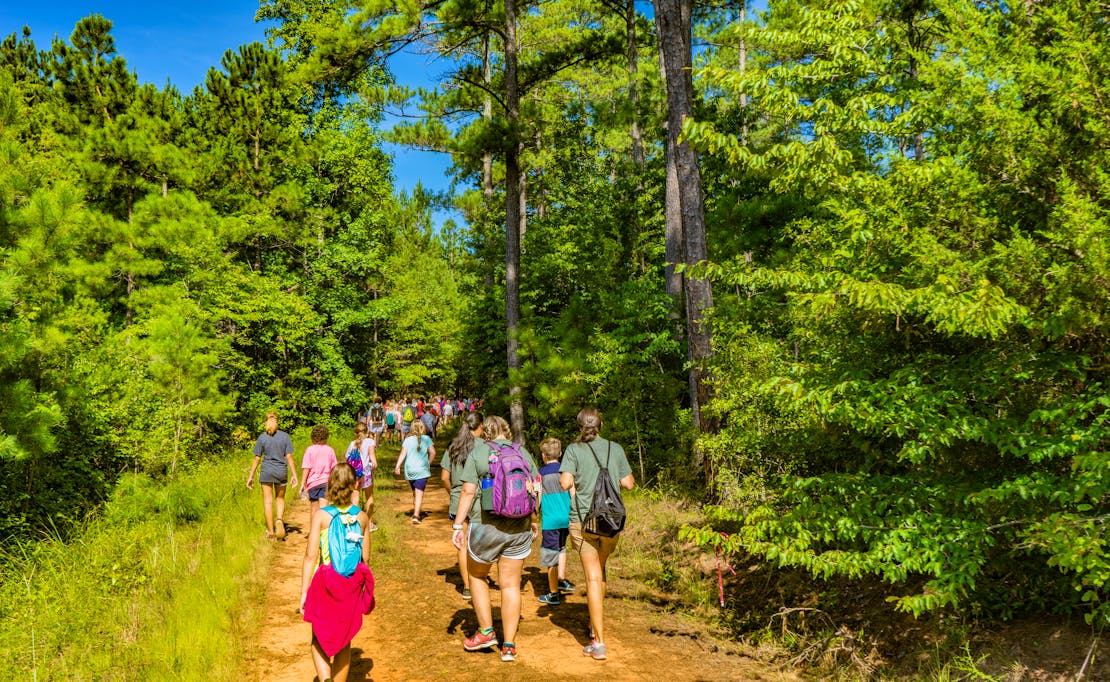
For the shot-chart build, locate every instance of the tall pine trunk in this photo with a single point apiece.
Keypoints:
(673, 21)
(512, 222)
(634, 90)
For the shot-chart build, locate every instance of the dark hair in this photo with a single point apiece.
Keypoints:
(320, 434)
(463, 442)
(589, 421)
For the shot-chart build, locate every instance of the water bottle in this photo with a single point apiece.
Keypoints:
(487, 492)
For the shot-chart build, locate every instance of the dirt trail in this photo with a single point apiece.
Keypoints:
(416, 631)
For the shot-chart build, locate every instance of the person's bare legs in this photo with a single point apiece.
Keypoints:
(320, 660)
(464, 568)
(279, 500)
(268, 507)
(341, 665)
(508, 573)
(479, 592)
(593, 565)
(417, 501)
(553, 580)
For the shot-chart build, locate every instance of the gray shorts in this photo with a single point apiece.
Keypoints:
(274, 473)
(486, 544)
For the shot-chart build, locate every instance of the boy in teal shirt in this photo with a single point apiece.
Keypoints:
(554, 525)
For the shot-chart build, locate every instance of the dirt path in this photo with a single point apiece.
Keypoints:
(416, 631)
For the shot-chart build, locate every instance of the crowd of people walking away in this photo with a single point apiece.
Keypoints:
(500, 503)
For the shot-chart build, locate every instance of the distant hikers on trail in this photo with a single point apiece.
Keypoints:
(501, 502)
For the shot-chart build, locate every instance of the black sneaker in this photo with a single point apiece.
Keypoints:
(566, 587)
(552, 599)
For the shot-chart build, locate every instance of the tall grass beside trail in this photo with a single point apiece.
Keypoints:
(165, 584)
(664, 569)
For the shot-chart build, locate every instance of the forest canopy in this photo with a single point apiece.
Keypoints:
(840, 269)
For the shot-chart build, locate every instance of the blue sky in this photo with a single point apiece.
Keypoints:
(179, 41)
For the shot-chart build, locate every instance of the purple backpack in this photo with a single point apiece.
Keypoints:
(512, 481)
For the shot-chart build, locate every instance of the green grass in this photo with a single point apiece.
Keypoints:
(661, 567)
(167, 583)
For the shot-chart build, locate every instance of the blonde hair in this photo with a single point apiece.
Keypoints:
(418, 429)
(342, 483)
(495, 426)
(271, 423)
(551, 448)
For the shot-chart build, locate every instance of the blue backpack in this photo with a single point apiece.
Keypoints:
(344, 540)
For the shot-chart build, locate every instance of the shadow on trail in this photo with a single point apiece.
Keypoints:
(452, 576)
(574, 617)
(360, 667)
(536, 577)
(463, 621)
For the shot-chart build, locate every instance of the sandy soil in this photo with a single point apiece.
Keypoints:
(416, 631)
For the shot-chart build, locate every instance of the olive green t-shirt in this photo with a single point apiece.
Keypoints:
(455, 470)
(477, 466)
(580, 462)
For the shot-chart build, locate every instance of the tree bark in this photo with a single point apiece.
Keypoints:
(512, 222)
(673, 250)
(487, 157)
(634, 89)
(743, 64)
(673, 19)
(487, 114)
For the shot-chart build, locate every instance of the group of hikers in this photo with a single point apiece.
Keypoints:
(500, 502)
(390, 421)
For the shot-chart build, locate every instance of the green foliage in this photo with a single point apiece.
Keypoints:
(911, 371)
(172, 267)
(167, 585)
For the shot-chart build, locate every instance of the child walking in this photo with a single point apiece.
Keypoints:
(316, 464)
(335, 592)
(417, 451)
(365, 445)
(554, 524)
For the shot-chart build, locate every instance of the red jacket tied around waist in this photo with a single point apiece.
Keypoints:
(335, 605)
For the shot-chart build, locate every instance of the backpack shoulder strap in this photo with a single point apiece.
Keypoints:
(590, 445)
(331, 509)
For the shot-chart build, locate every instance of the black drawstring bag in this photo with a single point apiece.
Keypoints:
(606, 515)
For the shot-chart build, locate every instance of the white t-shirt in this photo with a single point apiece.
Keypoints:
(364, 452)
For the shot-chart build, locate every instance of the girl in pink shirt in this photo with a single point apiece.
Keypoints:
(316, 465)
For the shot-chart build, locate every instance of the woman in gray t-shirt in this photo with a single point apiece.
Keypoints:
(274, 451)
(582, 464)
